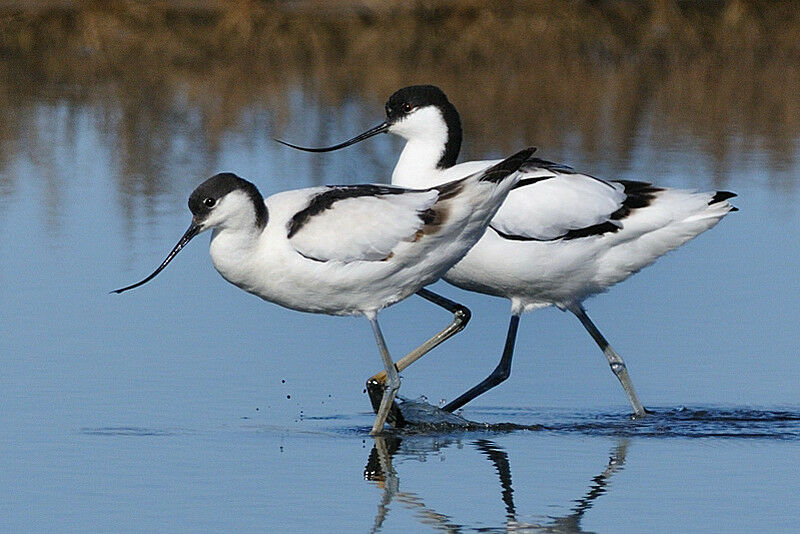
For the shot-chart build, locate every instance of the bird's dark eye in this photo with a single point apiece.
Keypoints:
(407, 107)
(209, 202)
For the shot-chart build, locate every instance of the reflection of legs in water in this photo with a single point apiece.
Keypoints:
(379, 469)
(499, 458)
(599, 486)
(570, 523)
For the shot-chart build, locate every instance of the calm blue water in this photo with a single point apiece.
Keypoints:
(190, 405)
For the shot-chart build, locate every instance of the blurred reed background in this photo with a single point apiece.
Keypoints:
(716, 74)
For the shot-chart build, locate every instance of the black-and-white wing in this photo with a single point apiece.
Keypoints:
(361, 222)
(552, 201)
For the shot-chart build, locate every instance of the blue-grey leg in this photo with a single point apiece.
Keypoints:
(614, 360)
(392, 378)
(500, 373)
(375, 385)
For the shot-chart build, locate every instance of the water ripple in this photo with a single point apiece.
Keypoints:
(126, 431)
(683, 422)
(691, 423)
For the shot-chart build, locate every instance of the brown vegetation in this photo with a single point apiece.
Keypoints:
(721, 73)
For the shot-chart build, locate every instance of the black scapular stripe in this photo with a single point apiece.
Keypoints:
(326, 199)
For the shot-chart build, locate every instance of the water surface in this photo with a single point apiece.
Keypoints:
(190, 405)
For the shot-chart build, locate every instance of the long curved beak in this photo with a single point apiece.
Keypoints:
(193, 230)
(381, 128)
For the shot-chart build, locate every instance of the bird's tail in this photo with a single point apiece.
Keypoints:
(718, 206)
(674, 217)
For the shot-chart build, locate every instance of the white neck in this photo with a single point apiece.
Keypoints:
(416, 167)
(426, 134)
(234, 237)
(231, 252)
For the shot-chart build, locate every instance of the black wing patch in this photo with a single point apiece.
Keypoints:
(721, 196)
(326, 199)
(498, 172)
(638, 195)
(539, 163)
(532, 164)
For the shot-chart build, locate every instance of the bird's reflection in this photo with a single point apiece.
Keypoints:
(379, 469)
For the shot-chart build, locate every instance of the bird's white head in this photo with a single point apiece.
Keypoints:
(227, 201)
(422, 115)
(224, 201)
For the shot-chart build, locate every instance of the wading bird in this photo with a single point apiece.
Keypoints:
(560, 236)
(346, 250)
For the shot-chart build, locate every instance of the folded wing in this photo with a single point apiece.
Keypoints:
(360, 223)
(551, 201)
